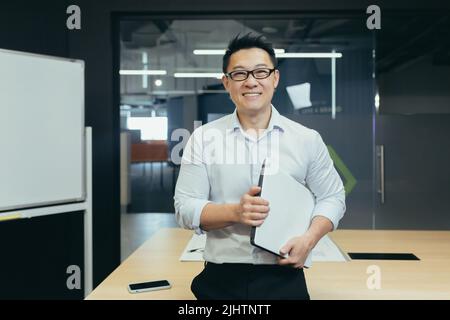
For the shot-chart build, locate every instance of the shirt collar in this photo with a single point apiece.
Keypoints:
(274, 122)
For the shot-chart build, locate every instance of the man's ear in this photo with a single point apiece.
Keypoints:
(225, 82)
(276, 78)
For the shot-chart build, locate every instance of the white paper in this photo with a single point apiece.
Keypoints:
(325, 251)
(197, 245)
(300, 95)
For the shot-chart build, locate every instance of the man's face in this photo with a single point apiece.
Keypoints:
(251, 96)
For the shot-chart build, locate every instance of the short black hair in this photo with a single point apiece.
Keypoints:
(248, 41)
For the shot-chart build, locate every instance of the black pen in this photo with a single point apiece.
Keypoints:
(261, 178)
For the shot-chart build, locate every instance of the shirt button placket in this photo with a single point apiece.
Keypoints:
(254, 162)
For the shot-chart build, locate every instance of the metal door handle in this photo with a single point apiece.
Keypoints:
(380, 157)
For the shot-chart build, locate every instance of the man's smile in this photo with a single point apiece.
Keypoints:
(251, 94)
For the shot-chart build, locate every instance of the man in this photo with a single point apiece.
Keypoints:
(219, 196)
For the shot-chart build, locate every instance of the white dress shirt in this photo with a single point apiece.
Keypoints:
(221, 162)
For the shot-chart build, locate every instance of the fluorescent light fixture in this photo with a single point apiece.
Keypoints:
(198, 75)
(142, 72)
(333, 86)
(221, 52)
(172, 92)
(211, 52)
(309, 55)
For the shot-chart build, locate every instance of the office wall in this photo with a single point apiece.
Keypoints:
(418, 88)
(190, 112)
(34, 26)
(214, 103)
(182, 112)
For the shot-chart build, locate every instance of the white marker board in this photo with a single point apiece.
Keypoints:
(41, 130)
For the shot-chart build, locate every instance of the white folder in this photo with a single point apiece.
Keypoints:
(291, 205)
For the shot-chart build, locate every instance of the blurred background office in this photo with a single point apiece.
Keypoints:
(380, 99)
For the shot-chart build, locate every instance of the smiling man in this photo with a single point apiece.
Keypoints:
(220, 197)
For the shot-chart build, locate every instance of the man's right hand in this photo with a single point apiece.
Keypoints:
(252, 209)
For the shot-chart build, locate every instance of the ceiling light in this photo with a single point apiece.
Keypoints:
(198, 75)
(172, 92)
(209, 52)
(142, 72)
(309, 55)
(158, 82)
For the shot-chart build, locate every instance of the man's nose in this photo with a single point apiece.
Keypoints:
(251, 81)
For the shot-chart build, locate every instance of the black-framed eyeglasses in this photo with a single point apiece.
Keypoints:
(241, 75)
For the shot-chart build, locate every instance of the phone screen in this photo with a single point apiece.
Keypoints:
(148, 285)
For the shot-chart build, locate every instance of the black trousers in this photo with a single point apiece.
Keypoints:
(238, 281)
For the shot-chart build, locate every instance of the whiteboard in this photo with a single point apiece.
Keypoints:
(41, 130)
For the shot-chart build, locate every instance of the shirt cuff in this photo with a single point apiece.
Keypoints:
(198, 207)
(333, 211)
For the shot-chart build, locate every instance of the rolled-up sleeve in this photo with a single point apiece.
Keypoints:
(325, 183)
(192, 188)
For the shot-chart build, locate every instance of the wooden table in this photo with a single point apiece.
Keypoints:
(429, 278)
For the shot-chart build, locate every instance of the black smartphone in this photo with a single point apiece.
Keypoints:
(148, 286)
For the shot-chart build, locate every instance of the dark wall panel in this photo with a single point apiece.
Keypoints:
(34, 26)
(36, 253)
(94, 44)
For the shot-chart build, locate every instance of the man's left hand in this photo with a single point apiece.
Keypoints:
(298, 249)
